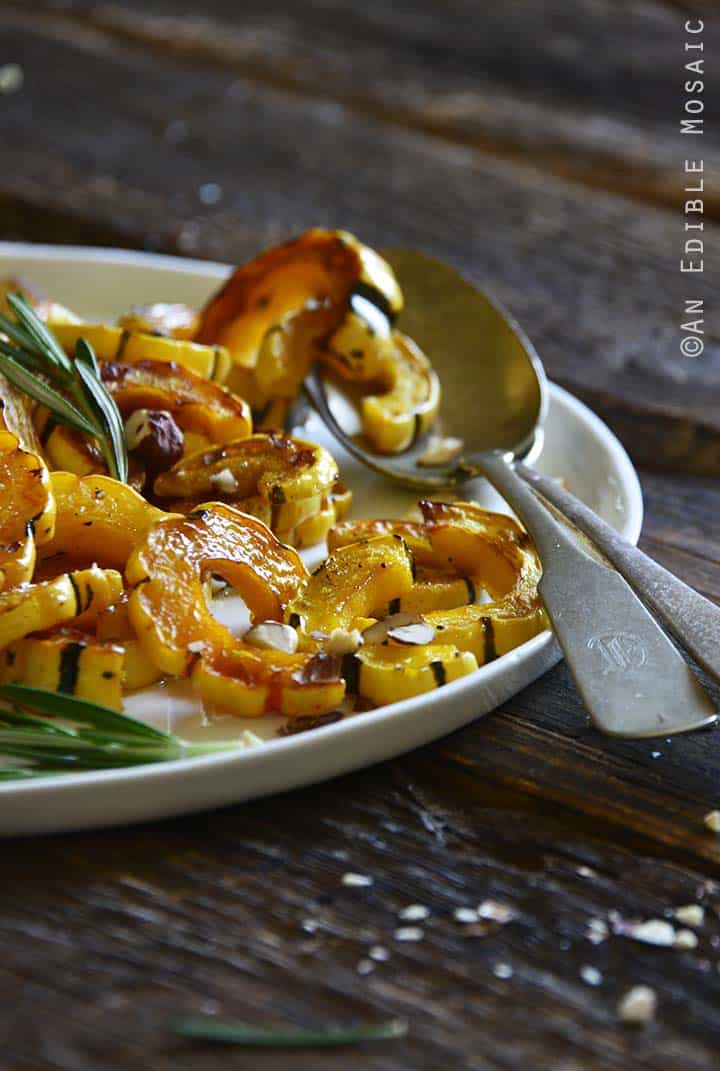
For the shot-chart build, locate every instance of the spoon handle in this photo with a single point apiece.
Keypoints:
(693, 620)
(632, 678)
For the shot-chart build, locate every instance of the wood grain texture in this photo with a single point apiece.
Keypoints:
(556, 256)
(107, 938)
(450, 127)
(588, 91)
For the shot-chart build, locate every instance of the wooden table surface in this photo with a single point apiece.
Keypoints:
(536, 145)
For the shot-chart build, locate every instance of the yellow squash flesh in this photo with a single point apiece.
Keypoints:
(409, 405)
(179, 634)
(27, 505)
(277, 313)
(98, 519)
(117, 344)
(249, 682)
(78, 596)
(284, 482)
(69, 662)
(196, 404)
(437, 585)
(353, 582)
(167, 571)
(113, 624)
(387, 674)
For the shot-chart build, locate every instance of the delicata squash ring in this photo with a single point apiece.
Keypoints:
(354, 582)
(195, 403)
(510, 569)
(179, 634)
(119, 344)
(98, 519)
(282, 481)
(249, 682)
(27, 507)
(393, 420)
(67, 661)
(321, 291)
(79, 595)
(436, 586)
(167, 571)
(466, 540)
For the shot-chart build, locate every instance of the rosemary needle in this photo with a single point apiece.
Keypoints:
(207, 1028)
(58, 733)
(72, 390)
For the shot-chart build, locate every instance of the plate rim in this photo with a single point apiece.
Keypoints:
(261, 755)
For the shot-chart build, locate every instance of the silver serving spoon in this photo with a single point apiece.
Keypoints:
(633, 679)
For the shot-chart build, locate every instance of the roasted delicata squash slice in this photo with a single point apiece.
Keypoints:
(251, 682)
(455, 542)
(26, 501)
(357, 581)
(408, 407)
(17, 562)
(194, 402)
(71, 662)
(79, 596)
(386, 674)
(172, 320)
(282, 481)
(314, 529)
(98, 519)
(491, 545)
(27, 505)
(489, 630)
(126, 346)
(437, 585)
(167, 572)
(179, 634)
(464, 533)
(66, 450)
(113, 626)
(323, 291)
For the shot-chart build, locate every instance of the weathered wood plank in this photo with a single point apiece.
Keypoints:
(594, 279)
(589, 91)
(107, 938)
(542, 742)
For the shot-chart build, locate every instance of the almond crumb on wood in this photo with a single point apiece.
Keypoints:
(357, 881)
(712, 821)
(685, 939)
(638, 1005)
(690, 914)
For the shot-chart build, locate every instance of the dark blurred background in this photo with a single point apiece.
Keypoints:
(535, 144)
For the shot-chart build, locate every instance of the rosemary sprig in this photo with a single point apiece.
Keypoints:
(56, 733)
(207, 1028)
(72, 390)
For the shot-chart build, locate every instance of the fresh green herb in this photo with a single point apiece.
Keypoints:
(207, 1028)
(73, 390)
(56, 733)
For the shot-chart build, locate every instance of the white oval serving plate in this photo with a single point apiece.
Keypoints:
(100, 284)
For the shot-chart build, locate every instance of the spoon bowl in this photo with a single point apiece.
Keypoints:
(633, 679)
(459, 326)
